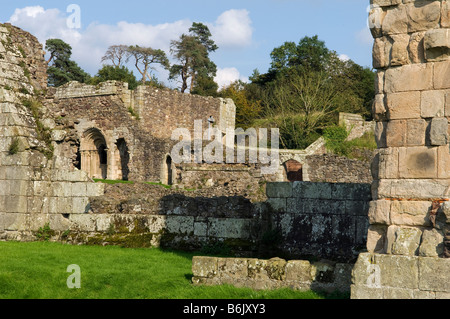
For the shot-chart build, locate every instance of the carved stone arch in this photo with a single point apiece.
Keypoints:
(94, 153)
(294, 170)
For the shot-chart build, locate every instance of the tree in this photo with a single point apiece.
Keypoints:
(63, 69)
(58, 49)
(144, 57)
(247, 110)
(117, 54)
(192, 52)
(300, 106)
(115, 73)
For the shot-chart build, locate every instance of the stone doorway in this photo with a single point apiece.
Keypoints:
(294, 171)
(124, 156)
(94, 154)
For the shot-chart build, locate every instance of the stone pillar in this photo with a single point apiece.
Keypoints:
(411, 53)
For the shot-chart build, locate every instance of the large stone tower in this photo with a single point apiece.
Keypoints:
(408, 238)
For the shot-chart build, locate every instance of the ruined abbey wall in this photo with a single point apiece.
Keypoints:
(409, 231)
(37, 185)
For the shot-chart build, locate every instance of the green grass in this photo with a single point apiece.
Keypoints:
(38, 270)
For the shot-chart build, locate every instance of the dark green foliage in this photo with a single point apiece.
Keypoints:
(306, 88)
(45, 233)
(336, 141)
(115, 73)
(192, 52)
(63, 69)
(14, 146)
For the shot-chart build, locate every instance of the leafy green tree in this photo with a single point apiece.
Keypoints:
(57, 49)
(192, 52)
(63, 69)
(115, 73)
(205, 86)
(247, 109)
(301, 106)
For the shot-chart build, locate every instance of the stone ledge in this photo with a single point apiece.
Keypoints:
(271, 274)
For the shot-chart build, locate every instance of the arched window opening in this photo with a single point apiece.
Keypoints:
(124, 158)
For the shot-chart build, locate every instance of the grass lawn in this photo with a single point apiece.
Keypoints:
(38, 270)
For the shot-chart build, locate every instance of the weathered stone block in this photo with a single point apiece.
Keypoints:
(410, 213)
(398, 271)
(379, 108)
(423, 16)
(432, 243)
(298, 270)
(403, 240)
(233, 267)
(379, 212)
(439, 131)
(205, 267)
(180, 224)
(418, 162)
(416, 132)
(380, 134)
(277, 204)
(432, 104)
(396, 133)
(229, 228)
(381, 53)
(442, 75)
(312, 190)
(437, 45)
(399, 53)
(445, 14)
(376, 239)
(83, 222)
(404, 105)
(80, 205)
(412, 188)
(395, 21)
(279, 190)
(411, 77)
(294, 206)
(431, 274)
(416, 49)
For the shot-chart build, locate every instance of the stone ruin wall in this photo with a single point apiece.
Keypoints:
(37, 185)
(409, 214)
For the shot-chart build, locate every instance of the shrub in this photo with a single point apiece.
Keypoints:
(14, 147)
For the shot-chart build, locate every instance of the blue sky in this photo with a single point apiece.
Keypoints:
(245, 30)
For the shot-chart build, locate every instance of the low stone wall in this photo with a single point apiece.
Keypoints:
(380, 276)
(337, 169)
(272, 274)
(320, 219)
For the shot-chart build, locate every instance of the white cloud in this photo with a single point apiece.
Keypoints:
(233, 29)
(344, 57)
(226, 76)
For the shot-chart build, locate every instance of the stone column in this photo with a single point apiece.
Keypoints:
(411, 53)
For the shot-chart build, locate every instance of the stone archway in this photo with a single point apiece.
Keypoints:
(124, 158)
(94, 154)
(294, 170)
(169, 170)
